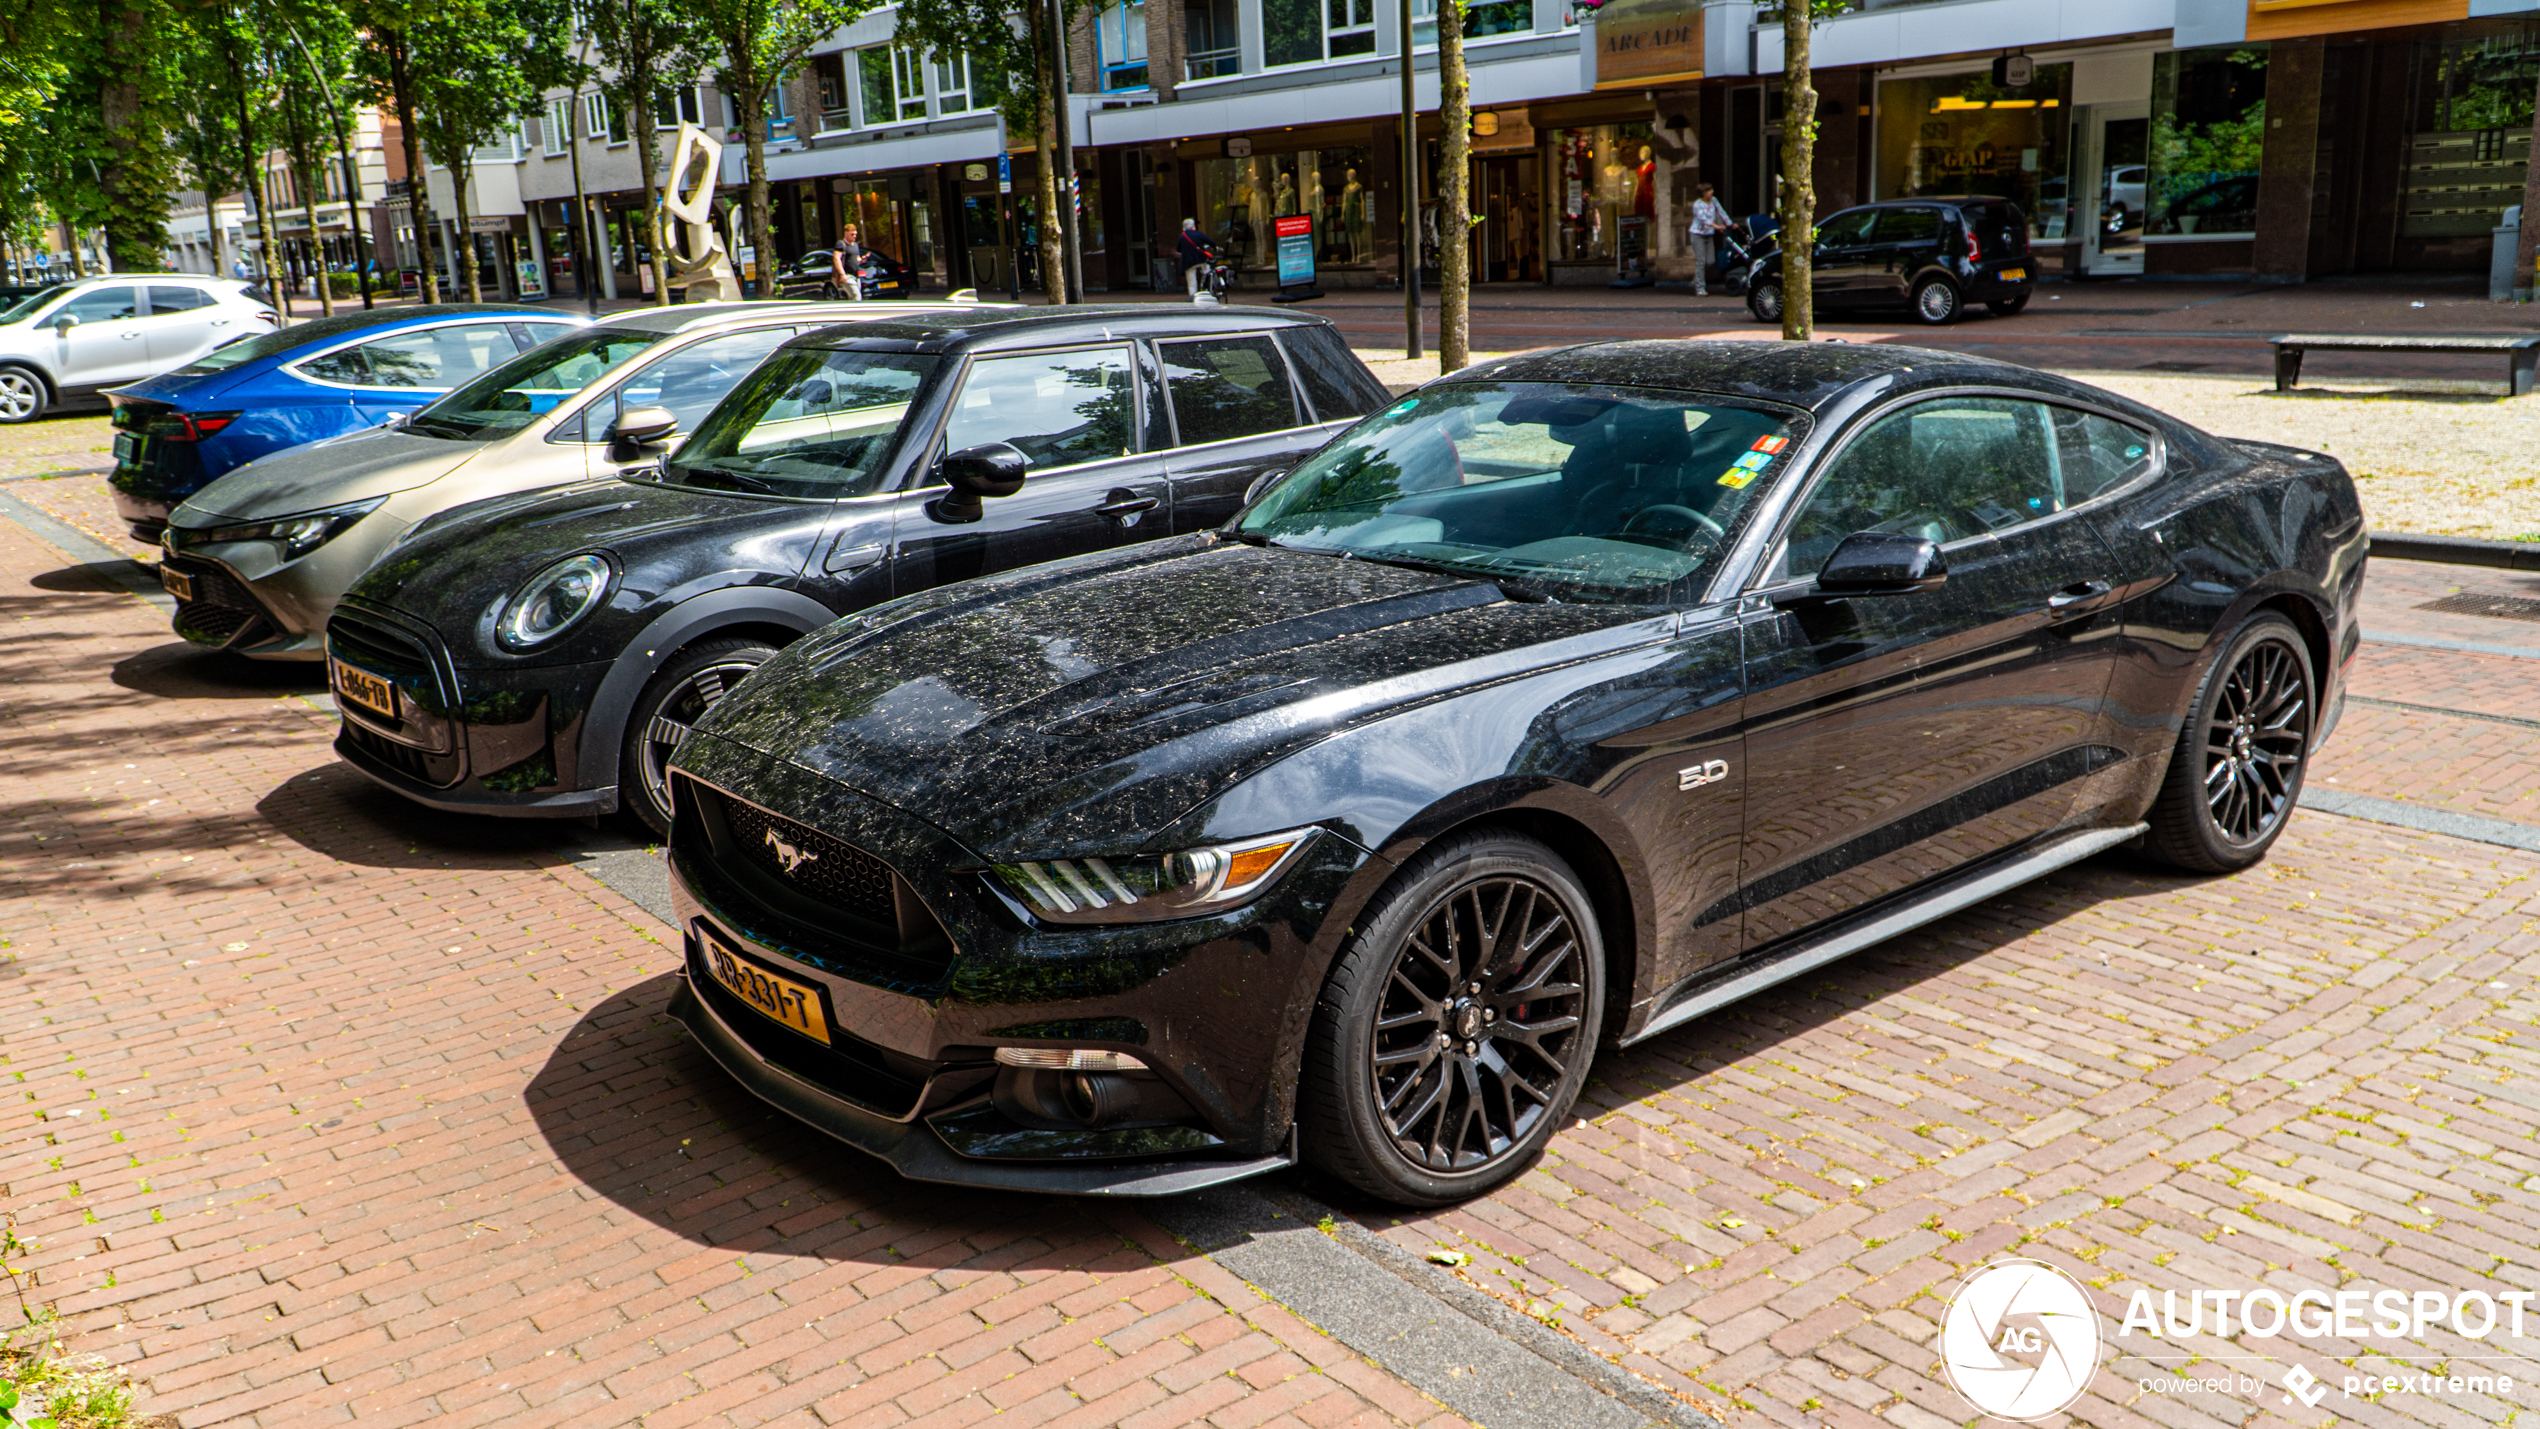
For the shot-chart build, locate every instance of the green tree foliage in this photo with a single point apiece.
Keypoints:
(475, 72)
(757, 44)
(1009, 48)
(645, 46)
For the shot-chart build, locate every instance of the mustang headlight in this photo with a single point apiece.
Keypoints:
(296, 536)
(1145, 889)
(552, 600)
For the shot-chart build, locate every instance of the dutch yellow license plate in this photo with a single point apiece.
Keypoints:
(795, 1004)
(2015, 275)
(179, 584)
(356, 685)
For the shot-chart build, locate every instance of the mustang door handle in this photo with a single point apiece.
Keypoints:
(2076, 595)
(1126, 507)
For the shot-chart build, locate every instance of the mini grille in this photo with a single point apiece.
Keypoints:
(409, 762)
(836, 873)
(2494, 607)
(379, 648)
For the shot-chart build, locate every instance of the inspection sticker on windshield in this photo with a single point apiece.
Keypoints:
(1754, 461)
(1405, 405)
(1771, 445)
(1736, 476)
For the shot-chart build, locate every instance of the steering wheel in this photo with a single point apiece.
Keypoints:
(1670, 528)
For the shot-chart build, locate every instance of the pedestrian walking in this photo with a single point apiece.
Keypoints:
(1710, 220)
(846, 265)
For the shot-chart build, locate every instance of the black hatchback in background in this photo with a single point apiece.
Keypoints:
(545, 653)
(1931, 256)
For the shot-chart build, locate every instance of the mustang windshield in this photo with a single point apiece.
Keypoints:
(1587, 493)
(808, 422)
(520, 391)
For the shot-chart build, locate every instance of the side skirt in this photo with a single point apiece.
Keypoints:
(1715, 989)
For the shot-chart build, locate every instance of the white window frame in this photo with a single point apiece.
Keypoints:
(690, 105)
(908, 85)
(556, 129)
(951, 98)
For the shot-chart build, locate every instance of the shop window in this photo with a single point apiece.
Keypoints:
(1120, 37)
(2472, 138)
(674, 104)
(1607, 183)
(1964, 134)
(2209, 119)
(1239, 197)
(1216, 49)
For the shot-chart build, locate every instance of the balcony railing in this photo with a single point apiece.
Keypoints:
(1213, 64)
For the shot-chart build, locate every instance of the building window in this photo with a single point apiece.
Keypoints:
(780, 116)
(1963, 134)
(601, 119)
(1120, 34)
(556, 129)
(674, 105)
(952, 86)
(1237, 198)
(1497, 17)
(2471, 143)
(894, 85)
(1215, 47)
(1304, 31)
(830, 73)
(2209, 119)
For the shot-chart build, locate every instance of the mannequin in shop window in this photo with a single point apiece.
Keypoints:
(1354, 217)
(1645, 191)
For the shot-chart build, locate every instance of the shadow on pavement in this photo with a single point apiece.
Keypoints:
(178, 671)
(334, 810)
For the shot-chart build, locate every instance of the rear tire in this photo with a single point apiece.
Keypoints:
(23, 396)
(1936, 302)
(681, 691)
(2242, 751)
(1456, 1028)
(1764, 300)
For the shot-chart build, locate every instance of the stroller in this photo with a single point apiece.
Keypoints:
(1735, 255)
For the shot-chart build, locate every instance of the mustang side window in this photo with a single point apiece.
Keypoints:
(1057, 408)
(2097, 454)
(1944, 470)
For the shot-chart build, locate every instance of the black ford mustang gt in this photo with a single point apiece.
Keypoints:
(1562, 702)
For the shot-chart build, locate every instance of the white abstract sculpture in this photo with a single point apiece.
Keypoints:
(701, 260)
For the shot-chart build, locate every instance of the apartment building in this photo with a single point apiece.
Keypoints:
(2274, 139)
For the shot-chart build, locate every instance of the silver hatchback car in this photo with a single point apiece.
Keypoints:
(257, 559)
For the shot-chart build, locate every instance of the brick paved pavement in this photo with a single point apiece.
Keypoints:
(332, 1110)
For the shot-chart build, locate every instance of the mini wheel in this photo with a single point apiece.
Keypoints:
(679, 693)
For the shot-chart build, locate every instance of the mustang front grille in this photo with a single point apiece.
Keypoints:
(812, 862)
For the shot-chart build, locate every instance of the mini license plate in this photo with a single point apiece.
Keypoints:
(127, 449)
(795, 1004)
(179, 584)
(363, 688)
(2015, 275)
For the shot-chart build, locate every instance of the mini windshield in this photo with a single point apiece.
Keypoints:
(1575, 492)
(808, 422)
(529, 386)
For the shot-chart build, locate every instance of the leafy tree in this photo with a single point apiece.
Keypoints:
(386, 65)
(645, 45)
(120, 84)
(1008, 45)
(474, 73)
(757, 44)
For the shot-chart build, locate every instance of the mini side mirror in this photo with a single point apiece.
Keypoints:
(990, 469)
(1876, 563)
(640, 427)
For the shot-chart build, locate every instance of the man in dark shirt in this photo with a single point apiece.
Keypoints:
(844, 262)
(1195, 253)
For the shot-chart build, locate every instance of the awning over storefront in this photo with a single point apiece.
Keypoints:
(974, 141)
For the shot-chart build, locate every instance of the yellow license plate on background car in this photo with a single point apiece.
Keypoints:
(796, 1004)
(179, 584)
(361, 687)
(2015, 275)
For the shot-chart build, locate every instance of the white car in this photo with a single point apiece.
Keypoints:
(66, 343)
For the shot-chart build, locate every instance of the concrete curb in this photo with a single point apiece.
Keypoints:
(113, 565)
(2458, 550)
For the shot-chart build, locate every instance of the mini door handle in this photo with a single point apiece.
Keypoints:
(2079, 594)
(853, 558)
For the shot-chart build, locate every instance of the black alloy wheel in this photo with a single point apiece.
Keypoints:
(1764, 300)
(1456, 1031)
(1936, 302)
(2237, 772)
(680, 692)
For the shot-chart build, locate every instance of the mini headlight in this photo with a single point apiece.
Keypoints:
(552, 600)
(1145, 889)
(295, 535)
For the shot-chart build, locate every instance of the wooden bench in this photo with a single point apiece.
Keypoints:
(2522, 354)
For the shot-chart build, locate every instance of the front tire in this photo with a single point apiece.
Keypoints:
(22, 395)
(1936, 302)
(1456, 1028)
(2237, 771)
(679, 693)
(1764, 300)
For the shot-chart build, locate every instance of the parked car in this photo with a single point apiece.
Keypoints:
(257, 559)
(67, 343)
(545, 654)
(177, 432)
(2223, 206)
(2121, 197)
(1930, 256)
(809, 277)
(1565, 701)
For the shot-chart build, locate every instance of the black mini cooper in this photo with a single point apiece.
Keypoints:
(544, 653)
(1929, 256)
(1564, 701)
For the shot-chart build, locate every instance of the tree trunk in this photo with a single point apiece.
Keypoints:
(585, 242)
(750, 108)
(463, 249)
(1799, 177)
(130, 183)
(648, 163)
(2527, 242)
(410, 137)
(317, 245)
(303, 172)
(251, 171)
(1045, 139)
(1455, 207)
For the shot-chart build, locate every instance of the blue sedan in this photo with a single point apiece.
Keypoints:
(176, 432)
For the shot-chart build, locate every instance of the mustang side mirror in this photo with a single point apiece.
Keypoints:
(637, 428)
(1261, 484)
(989, 469)
(1875, 563)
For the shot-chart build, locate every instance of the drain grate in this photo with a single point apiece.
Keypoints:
(2494, 607)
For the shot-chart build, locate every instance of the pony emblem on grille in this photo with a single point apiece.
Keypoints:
(787, 854)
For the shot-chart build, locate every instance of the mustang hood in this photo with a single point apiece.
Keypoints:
(1067, 708)
(379, 462)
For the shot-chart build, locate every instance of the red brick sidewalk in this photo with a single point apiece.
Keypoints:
(332, 1109)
